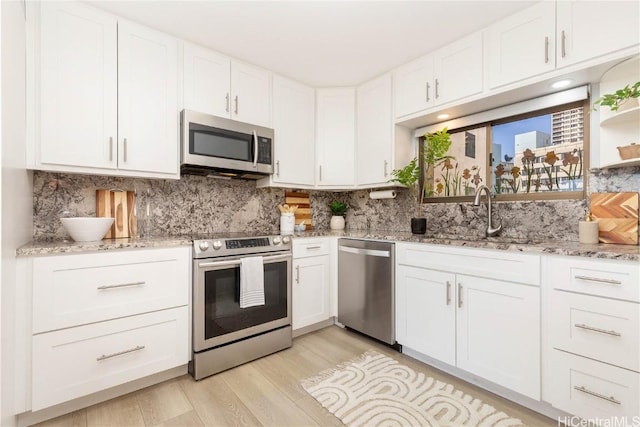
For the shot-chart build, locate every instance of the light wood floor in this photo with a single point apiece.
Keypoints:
(265, 392)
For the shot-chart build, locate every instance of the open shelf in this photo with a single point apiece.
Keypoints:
(622, 164)
(622, 117)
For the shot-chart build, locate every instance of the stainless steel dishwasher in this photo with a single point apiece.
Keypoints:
(366, 287)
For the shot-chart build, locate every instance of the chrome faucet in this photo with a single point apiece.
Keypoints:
(490, 231)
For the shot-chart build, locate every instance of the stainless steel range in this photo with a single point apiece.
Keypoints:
(224, 334)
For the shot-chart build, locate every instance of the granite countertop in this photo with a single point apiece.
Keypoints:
(552, 247)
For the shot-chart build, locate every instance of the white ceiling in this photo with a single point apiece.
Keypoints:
(321, 43)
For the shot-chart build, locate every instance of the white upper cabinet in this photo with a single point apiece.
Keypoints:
(413, 86)
(206, 81)
(335, 137)
(521, 45)
(148, 113)
(374, 140)
(450, 73)
(214, 84)
(78, 86)
(104, 95)
(294, 127)
(580, 36)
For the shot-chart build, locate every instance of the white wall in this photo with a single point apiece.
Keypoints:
(16, 205)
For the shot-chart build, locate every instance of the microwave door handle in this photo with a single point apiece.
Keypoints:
(255, 148)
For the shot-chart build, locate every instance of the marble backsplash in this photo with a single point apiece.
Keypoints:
(197, 204)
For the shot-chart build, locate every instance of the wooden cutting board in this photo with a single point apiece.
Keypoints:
(303, 213)
(617, 215)
(119, 205)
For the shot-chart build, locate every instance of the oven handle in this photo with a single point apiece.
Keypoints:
(237, 261)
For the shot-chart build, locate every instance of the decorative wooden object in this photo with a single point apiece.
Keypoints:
(303, 213)
(119, 205)
(617, 216)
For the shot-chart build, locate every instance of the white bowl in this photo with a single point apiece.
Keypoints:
(87, 229)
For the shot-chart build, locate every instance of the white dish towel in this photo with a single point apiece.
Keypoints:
(251, 282)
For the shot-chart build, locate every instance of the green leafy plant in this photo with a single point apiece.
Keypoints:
(436, 145)
(338, 208)
(409, 176)
(619, 97)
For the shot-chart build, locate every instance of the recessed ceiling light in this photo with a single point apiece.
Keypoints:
(443, 116)
(561, 83)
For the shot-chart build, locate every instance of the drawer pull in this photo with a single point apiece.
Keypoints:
(448, 292)
(313, 247)
(599, 280)
(601, 396)
(120, 353)
(122, 285)
(602, 331)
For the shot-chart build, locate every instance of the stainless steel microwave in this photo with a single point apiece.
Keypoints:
(222, 147)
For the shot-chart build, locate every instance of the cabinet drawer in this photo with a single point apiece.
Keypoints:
(607, 278)
(599, 328)
(310, 247)
(502, 265)
(72, 290)
(590, 389)
(78, 361)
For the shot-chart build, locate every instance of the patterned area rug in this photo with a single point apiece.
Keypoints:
(375, 390)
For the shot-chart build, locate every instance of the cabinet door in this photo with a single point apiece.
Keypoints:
(148, 115)
(310, 291)
(251, 94)
(499, 333)
(522, 45)
(458, 69)
(335, 136)
(78, 97)
(207, 76)
(578, 34)
(374, 141)
(425, 312)
(294, 126)
(414, 89)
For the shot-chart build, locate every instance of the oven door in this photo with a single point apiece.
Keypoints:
(217, 316)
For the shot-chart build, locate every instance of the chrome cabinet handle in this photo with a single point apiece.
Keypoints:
(320, 172)
(278, 168)
(602, 331)
(563, 43)
(448, 292)
(598, 395)
(120, 353)
(546, 50)
(437, 86)
(599, 280)
(428, 87)
(459, 295)
(121, 285)
(124, 155)
(111, 149)
(297, 274)
(313, 247)
(227, 102)
(236, 102)
(386, 164)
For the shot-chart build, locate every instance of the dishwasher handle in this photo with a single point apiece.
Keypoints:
(370, 252)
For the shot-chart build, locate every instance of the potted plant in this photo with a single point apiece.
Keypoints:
(409, 176)
(619, 98)
(338, 210)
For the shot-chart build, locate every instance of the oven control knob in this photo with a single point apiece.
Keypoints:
(276, 240)
(286, 239)
(217, 245)
(203, 246)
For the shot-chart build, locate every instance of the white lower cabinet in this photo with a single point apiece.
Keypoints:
(487, 324)
(103, 319)
(593, 351)
(75, 362)
(311, 282)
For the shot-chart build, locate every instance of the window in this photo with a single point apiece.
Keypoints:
(537, 154)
